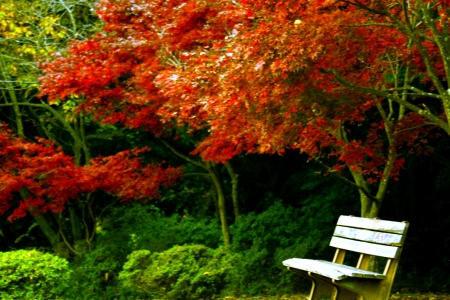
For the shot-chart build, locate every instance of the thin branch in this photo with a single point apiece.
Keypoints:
(417, 92)
(66, 242)
(196, 174)
(104, 136)
(414, 127)
(385, 94)
(94, 220)
(342, 178)
(369, 24)
(185, 157)
(72, 19)
(103, 210)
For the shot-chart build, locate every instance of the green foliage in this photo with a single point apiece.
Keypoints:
(95, 277)
(182, 272)
(206, 232)
(134, 270)
(264, 241)
(134, 227)
(32, 275)
(137, 227)
(124, 230)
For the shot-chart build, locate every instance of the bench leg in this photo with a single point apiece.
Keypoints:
(351, 288)
(322, 290)
(326, 290)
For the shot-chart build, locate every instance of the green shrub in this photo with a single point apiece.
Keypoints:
(30, 274)
(136, 226)
(95, 275)
(264, 240)
(124, 230)
(200, 232)
(280, 232)
(182, 272)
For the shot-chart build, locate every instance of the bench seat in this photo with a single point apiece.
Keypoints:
(330, 270)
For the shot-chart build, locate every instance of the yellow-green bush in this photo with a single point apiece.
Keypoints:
(30, 274)
(182, 272)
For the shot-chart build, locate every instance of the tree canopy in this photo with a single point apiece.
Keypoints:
(263, 77)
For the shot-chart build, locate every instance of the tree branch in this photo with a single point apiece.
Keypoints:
(185, 157)
(384, 93)
(66, 242)
(342, 178)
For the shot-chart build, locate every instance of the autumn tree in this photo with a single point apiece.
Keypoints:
(306, 76)
(40, 180)
(114, 73)
(30, 31)
(348, 82)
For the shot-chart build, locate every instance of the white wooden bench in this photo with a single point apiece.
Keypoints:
(369, 237)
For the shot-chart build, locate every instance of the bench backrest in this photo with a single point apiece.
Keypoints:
(370, 236)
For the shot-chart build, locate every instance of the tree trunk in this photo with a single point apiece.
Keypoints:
(52, 236)
(209, 167)
(84, 143)
(370, 205)
(234, 189)
(221, 204)
(79, 243)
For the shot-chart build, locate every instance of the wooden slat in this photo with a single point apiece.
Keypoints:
(391, 239)
(329, 269)
(373, 224)
(354, 272)
(314, 266)
(363, 247)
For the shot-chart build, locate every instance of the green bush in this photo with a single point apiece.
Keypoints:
(94, 277)
(264, 241)
(30, 274)
(135, 226)
(124, 230)
(201, 232)
(182, 272)
(138, 226)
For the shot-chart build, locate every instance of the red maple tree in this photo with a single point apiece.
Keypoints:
(306, 75)
(353, 81)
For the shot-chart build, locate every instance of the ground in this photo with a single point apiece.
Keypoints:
(395, 296)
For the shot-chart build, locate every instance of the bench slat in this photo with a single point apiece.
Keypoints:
(329, 269)
(355, 272)
(363, 247)
(314, 266)
(378, 225)
(391, 239)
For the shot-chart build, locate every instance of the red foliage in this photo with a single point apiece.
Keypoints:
(259, 75)
(37, 178)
